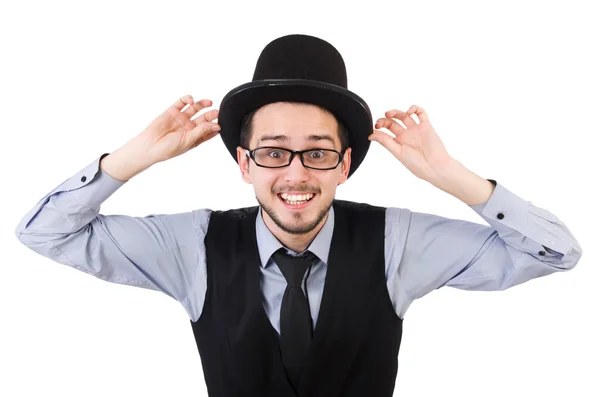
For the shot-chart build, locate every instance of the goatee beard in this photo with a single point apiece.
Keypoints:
(296, 229)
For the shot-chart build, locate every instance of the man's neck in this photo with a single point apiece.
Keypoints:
(295, 242)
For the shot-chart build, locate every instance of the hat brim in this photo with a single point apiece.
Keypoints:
(343, 104)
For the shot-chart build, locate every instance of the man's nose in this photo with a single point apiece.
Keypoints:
(296, 171)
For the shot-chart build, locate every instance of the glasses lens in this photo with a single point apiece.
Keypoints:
(321, 158)
(275, 157)
(271, 157)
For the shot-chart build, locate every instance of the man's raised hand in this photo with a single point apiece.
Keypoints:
(174, 132)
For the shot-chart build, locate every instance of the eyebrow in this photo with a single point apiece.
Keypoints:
(285, 138)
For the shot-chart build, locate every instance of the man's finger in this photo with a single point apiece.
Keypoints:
(419, 112)
(202, 133)
(196, 107)
(391, 125)
(183, 102)
(204, 138)
(402, 116)
(395, 113)
(387, 141)
(207, 117)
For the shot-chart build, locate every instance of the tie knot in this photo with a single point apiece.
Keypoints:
(293, 267)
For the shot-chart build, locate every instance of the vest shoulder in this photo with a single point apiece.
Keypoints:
(358, 206)
(235, 213)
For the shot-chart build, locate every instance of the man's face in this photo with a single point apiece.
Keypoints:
(295, 127)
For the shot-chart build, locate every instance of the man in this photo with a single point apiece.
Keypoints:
(304, 294)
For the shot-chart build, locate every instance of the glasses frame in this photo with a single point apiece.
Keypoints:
(293, 153)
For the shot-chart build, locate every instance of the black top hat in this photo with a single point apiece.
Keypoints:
(299, 68)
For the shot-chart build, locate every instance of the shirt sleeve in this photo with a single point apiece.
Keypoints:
(161, 252)
(520, 242)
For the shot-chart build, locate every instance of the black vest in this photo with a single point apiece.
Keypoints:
(356, 342)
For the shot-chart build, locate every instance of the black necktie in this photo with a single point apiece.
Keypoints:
(295, 324)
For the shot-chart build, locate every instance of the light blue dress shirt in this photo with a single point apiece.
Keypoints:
(423, 252)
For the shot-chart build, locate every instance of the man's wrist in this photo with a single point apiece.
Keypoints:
(127, 161)
(455, 179)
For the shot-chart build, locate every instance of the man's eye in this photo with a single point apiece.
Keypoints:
(316, 154)
(275, 153)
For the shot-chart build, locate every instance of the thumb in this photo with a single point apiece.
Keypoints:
(203, 133)
(387, 141)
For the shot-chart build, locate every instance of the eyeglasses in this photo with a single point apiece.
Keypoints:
(276, 157)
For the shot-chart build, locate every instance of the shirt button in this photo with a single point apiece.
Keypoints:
(83, 178)
(542, 253)
(500, 216)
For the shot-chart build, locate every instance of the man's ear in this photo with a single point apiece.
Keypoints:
(244, 164)
(345, 166)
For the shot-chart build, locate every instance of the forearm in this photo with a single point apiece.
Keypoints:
(127, 161)
(457, 180)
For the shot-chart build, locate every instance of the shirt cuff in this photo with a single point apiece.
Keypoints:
(503, 209)
(91, 197)
(506, 212)
(99, 185)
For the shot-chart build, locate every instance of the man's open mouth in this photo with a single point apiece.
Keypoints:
(296, 199)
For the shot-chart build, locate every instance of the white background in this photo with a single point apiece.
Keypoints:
(511, 87)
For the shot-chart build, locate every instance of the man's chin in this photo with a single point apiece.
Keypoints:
(295, 223)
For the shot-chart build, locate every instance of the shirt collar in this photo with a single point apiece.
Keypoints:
(268, 243)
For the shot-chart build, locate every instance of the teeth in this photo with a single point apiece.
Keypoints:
(295, 199)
